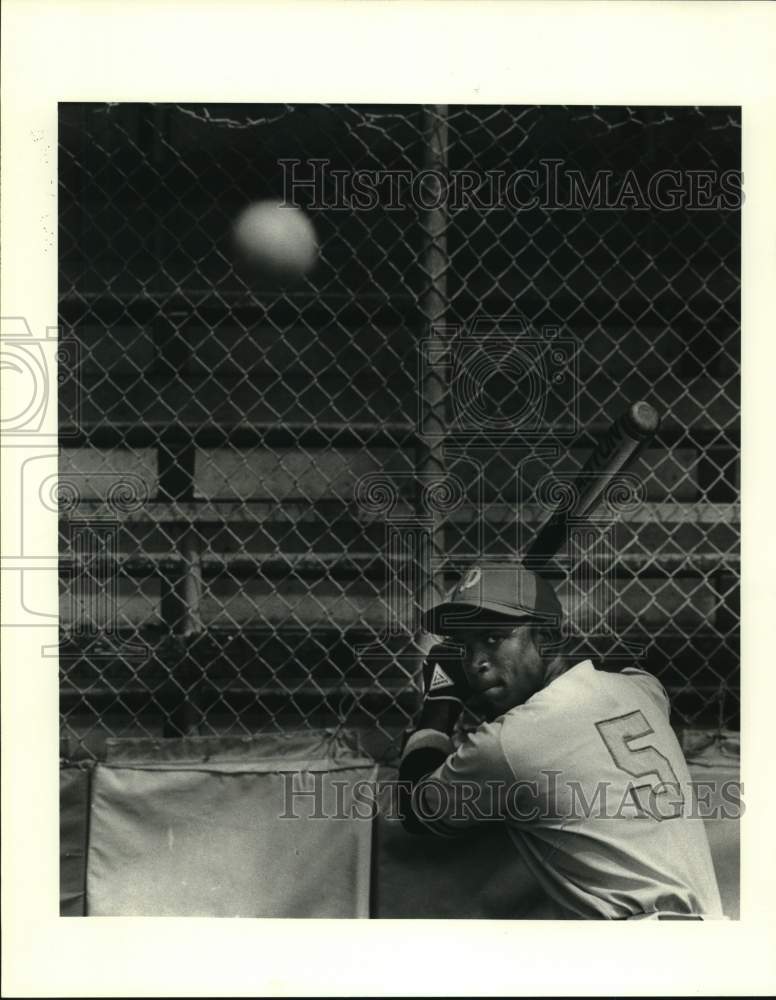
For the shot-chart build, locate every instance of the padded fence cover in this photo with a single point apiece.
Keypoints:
(715, 763)
(73, 835)
(172, 835)
(206, 837)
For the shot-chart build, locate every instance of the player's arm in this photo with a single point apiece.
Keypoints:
(444, 691)
(443, 791)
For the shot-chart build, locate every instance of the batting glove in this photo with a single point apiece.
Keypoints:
(445, 688)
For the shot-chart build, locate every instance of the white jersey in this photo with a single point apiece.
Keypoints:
(600, 801)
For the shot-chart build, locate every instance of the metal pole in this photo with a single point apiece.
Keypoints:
(434, 308)
(180, 594)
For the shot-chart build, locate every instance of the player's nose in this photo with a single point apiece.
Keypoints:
(477, 661)
(473, 673)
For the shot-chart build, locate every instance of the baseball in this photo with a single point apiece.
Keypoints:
(275, 240)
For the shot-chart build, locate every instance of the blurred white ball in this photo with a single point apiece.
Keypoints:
(275, 240)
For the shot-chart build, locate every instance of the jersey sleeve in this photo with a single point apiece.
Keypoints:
(467, 788)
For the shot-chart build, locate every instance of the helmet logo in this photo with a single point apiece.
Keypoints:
(473, 577)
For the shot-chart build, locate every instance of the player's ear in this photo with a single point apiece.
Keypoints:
(545, 639)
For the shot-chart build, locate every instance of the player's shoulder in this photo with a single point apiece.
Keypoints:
(626, 687)
(577, 685)
(583, 690)
(647, 683)
(559, 719)
(549, 711)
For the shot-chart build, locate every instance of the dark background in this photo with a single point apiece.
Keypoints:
(242, 414)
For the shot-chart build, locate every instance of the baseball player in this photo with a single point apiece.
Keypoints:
(581, 764)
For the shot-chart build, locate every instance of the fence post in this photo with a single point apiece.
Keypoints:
(181, 593)
(434, 304)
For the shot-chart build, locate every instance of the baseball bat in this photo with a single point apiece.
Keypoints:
(614, 452)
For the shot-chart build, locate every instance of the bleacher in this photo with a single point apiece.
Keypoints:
(220, 572)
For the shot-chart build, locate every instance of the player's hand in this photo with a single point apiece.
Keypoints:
(445, 688)
(444, 678)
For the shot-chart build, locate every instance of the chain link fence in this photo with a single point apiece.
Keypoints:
(251, 474)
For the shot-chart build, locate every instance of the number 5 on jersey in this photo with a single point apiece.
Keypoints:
(618, 734)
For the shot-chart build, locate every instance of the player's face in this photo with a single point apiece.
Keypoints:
(502, 666)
